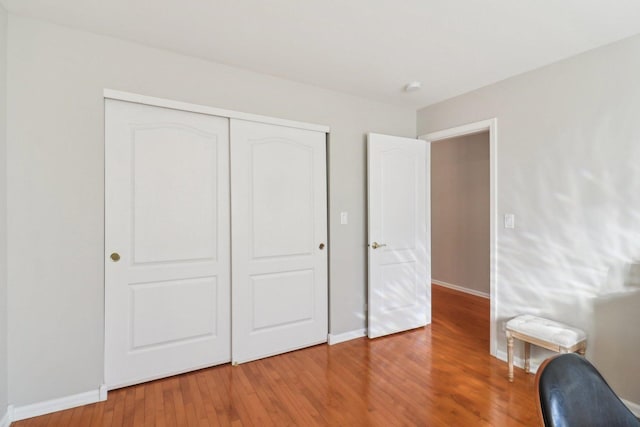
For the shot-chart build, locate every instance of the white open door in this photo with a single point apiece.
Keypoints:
(279, 229)
(399, 243)
(167, 261)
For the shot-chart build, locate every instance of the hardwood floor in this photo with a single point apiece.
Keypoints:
(441, 375)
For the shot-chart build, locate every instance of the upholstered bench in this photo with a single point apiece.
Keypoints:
(554, 336)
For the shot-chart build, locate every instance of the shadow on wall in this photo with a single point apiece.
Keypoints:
(616, 336)
(572, 224)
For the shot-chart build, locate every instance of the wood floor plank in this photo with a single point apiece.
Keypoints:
(78, 414)
(139, 405)
(53, 420)
(440, 375)
(97, 415)
(178, 404)
(158, 404)
(169, 405)
(64, 421)
(129, 407)
(217, 384)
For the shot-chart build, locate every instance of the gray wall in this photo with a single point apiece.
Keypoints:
(568, 168)
(55, 188)
(3, 213)
(615, 338)
(616, 341)
(460, 211)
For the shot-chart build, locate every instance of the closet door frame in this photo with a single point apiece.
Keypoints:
(212, 111)
(202, 109)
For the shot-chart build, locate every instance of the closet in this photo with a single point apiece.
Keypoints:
(215, 237)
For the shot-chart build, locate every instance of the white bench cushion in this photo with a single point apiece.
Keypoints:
(546, 330)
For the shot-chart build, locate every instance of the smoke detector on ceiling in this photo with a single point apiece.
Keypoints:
(412, 87)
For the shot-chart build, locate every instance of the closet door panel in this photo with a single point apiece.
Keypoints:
(167, 248)
(279, 231)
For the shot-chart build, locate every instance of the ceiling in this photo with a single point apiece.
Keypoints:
(368, 48)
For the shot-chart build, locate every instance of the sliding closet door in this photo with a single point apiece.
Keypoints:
(167, 266)
(279, 232)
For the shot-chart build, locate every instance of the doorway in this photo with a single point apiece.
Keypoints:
(488, 129)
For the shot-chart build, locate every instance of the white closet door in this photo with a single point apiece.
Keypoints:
(167, 285)
(279, 229)
(399, 243)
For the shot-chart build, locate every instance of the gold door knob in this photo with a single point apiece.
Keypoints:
(376, 245)
(115, 257)
(321, 246)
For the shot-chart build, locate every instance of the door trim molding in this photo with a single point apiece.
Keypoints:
(490, 125)
(212, 111)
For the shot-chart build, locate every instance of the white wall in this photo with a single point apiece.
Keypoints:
(55, 190)
(568, 168)
(3, 212)
(460, 225)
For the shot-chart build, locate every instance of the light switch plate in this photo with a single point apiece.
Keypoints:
(344, 218)
(509, 220)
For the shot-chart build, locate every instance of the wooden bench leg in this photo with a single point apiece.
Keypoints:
(527, 354)
(582, 350)
(510, 355)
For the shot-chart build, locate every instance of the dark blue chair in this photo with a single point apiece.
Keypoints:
(571, 392)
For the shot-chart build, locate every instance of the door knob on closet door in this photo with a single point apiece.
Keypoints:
(376, 245)
(321, 246)
(115, 257)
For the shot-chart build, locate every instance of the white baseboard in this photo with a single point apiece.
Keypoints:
(103, 391)
(5, 421)
(346, 336)
(633, 407)
(460, 289)
(519, 362)
(60, 404)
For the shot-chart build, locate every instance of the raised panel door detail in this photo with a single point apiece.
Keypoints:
(269, 312)
(174, 194)
(398, 199)
(399, 286)
(281, 198)
(170, 312)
